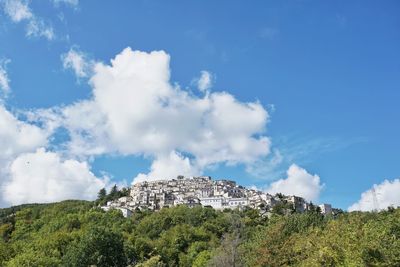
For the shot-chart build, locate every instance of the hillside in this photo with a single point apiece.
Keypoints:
(76, 233)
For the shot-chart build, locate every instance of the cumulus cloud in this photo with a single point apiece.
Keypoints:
(205, 81)
(43, 176)
(19, 10)
(30, 173)
(386, 194)
(135, 110)
(168, 166)
(4, 80)
(17, 136)
(298, 182)
(78, 62)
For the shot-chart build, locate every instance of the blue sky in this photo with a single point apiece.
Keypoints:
(327, 74)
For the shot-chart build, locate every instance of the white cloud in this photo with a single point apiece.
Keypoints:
(135, 110)
(205, 81)
(73, 3)
(78, 62)
(386, 194)
(18, 11)
(298, 182)
(42, 176)
(4, 80)
(17, 136)
(29, 173)
(38, 28)
(167, 167)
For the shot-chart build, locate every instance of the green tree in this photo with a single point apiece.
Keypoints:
(6, 252)
(98, 246)
(154, 261)
(202, 259)
(101, 196)
(114, 193)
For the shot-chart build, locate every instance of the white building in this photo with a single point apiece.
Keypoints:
(215, 202)
(125, 211)
(326, 209)
(237, 202)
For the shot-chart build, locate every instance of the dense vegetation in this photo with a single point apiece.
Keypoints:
(77, 233)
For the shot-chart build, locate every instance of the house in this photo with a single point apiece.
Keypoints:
(125, 211)
(326, 209)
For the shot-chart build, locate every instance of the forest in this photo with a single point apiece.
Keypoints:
(79, 233)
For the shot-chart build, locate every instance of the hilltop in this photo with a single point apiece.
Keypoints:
(78, 233)
(204, 191)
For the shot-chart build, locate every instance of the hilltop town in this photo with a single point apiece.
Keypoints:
(193, 191)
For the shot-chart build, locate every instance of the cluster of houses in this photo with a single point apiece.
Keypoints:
(194, 191)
